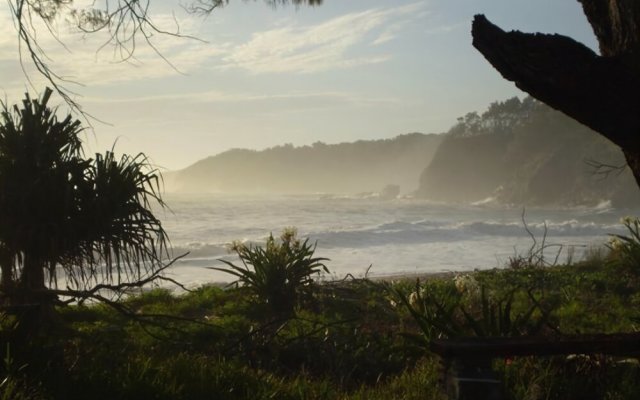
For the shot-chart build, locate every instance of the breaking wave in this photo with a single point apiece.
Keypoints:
(398, 235)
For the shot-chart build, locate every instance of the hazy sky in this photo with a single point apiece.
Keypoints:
(348, 70)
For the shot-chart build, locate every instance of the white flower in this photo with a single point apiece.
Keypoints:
(626, 220)
(236, 246)
(413, 299)
(615, 243)
(467, 284)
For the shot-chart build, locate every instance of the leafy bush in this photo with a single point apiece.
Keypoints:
(588, 377)
(14, 384)
(280, 273)
(466, 307)
(625, 249)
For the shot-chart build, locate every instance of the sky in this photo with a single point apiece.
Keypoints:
(261, 76)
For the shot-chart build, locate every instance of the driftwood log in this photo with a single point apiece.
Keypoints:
(601, 91)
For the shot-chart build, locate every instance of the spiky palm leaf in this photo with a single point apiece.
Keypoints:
(119, 237)
(278, 273)
(90, 217)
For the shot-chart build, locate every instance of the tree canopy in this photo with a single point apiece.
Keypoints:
(89, 220)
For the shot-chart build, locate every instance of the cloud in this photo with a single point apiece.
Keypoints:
(315, 99)
(393, 30)
(444, 29)
(87, 60)
(321, 47)
(386, 36)
(287, 47)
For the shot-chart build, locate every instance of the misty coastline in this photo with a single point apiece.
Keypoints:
(517, 153)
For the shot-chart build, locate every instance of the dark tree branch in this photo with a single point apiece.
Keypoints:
(23, 13)
(600, 92)
(156, 275)
(110, 295)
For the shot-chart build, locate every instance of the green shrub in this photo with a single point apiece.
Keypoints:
(585, 377)
(625, 249)
(465, 306)
(14, 383)
(280, 273)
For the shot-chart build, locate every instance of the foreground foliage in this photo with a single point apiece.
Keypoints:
(279, 274)
(350, 339)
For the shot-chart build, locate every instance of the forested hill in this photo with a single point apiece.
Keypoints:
(346, 168)
(525, 153)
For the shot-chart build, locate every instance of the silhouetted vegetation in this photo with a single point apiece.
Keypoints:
(523, 152)
(516, 152)
(86, 221)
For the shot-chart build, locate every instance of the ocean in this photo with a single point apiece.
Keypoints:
(379, 237)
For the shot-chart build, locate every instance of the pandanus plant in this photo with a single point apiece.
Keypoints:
(88, 220)
(278, 274)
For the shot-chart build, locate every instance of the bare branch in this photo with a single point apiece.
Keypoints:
(97, 291)
(126, 22)
(603, 170)
(204, 7)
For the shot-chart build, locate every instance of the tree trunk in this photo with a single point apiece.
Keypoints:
(6, 269)
(35, 307)
(32, 279)
(615, 23)
(600, 91)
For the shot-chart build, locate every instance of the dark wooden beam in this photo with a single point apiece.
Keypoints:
(487, 348)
